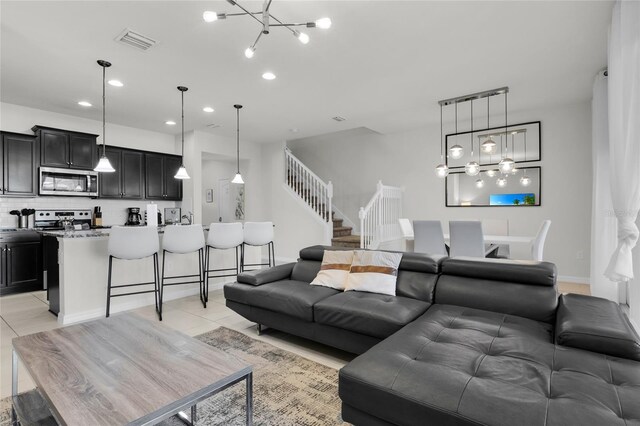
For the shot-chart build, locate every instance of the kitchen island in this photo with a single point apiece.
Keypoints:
(83, 262)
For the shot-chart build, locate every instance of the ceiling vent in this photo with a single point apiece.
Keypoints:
(338, 118)
(135, 39)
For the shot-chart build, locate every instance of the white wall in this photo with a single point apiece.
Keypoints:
(16, 118)
(355, 160)
(20, 119)
(295, 226)
(633, 295)
(212, 172)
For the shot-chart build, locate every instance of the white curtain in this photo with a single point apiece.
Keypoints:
(603, 221)
(624, 132)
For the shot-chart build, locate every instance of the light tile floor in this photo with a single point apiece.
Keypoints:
(28, 313)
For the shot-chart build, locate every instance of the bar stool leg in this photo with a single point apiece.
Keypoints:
(237, 263)
(203, 290)
(109, 285)
(156, 282)
(206, 270)
(164, 253)
(242, 258)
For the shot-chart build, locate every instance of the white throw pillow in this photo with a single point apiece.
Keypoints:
(374, 271)
(334, 269)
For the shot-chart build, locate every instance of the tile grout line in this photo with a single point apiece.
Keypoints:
(5, 321)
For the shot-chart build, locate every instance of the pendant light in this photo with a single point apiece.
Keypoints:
(238, 177)
(501, 182)
(491, 173)
(489, 144)
(104, 165)
(525, 180)
(182, 171)
(441, 169)
(506, 164)
(480, 183)
(472, 168)
(456, 151)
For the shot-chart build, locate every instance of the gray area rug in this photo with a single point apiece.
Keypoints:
(287, 389)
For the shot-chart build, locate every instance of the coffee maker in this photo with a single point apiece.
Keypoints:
(134, 218)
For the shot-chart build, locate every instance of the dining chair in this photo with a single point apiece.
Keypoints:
(407, 234)
(428, 237)
(467, 239)
(537, 247)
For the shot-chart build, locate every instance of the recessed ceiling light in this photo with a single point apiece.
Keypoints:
(208, 109)
(170, 123)
(115, 83)
(269, 76)
(293, 130)
(84, 103)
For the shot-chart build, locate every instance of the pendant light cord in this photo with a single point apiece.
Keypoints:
(238, 138)
(441, 139)
(104, 135)
(472, 129)
(182, 151)
(506, 120)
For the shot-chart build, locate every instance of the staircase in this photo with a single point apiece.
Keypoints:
(317, 196)
(342, 236)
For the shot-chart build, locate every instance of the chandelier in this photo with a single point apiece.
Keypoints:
(267, 20)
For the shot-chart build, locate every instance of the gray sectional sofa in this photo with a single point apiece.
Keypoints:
(463, 342)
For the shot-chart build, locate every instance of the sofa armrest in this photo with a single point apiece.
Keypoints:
(596, 325)
(264, 276)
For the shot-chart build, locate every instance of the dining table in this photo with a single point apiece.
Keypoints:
(503, 239)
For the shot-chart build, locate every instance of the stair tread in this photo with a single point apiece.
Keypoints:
(347, 239)
(342, 228)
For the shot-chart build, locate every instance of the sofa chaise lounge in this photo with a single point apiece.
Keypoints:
(463, 342)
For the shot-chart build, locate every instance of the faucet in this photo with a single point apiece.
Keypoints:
(188, 217)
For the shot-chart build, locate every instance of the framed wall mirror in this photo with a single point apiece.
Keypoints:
(490, 188)
(520, 142)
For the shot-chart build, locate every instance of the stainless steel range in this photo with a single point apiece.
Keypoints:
(57, 219)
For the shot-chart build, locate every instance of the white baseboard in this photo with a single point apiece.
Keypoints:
(572, 279)
(100, 313)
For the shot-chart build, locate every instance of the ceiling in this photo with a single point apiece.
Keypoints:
(382, 65)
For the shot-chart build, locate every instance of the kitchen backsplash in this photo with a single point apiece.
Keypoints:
(114, 212)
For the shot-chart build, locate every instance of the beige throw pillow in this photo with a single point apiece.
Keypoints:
(334, 269)
(374, 271)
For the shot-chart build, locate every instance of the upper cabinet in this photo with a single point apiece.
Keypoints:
(160, 183)
(18, 165)
(127, 180)
(66, 149)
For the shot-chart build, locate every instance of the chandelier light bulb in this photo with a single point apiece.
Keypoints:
(480, 183)
(491, 173)
(488, 145)
(250, 52)
(324, 23)
(209, 16)
(514, 171)
(501, 182)
(442, 170)
(472, 168)
(304, 38)
(506, 165)
(456, 151)
(525, 180)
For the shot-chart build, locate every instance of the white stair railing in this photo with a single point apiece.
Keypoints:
(379, 219)
(308, 186)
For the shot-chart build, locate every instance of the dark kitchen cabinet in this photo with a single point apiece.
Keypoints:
(159, 181)
(18, 168)
(127, 180)
(66, 149)
(21, 262)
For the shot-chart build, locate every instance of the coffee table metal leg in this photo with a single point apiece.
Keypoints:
(14, 384)
(250, 399)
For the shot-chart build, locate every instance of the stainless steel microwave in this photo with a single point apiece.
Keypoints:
(68, 182)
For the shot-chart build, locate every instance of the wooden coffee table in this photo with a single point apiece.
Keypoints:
(123, 370)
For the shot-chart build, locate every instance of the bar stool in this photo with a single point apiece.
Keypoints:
(183, 239)
(258, 234)
(222, 236)
(133, 243)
